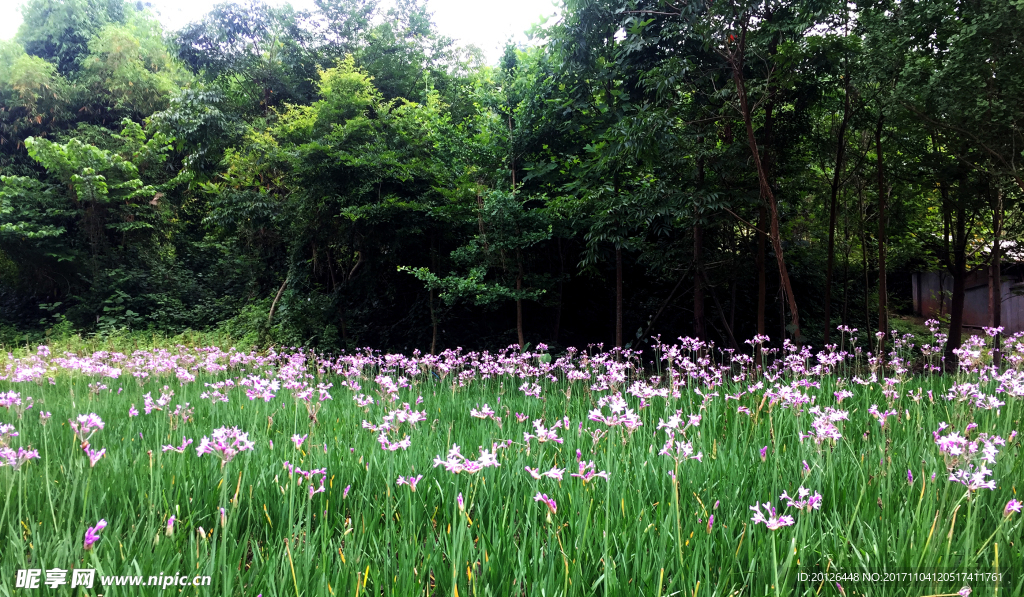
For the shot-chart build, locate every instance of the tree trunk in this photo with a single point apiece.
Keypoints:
(433, 323)
(736, 61)
(433, 314)
(561, 284)
(721, 313)
(833, 208)
(883, 312)
(864, 257)
(762, 216)
(618, 297)
(519, 306)
(956, 310)
(847, 246)
(995, 280)
(698, 286)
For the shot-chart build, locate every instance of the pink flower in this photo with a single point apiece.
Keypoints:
(410, 481)
(588, 471)
(320, 489)
(553, 473)
(298, 439)
(226, 444)
(85, 425)
(550, 503)
(772, 521)
(93, 455)
(1012, 506)
(170, 526)
(92, 536)
(185, 442)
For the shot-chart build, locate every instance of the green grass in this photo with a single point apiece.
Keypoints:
(639, 533)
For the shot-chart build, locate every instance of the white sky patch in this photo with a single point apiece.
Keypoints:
(486, 24)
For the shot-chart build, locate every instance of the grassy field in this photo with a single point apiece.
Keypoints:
(375, 474)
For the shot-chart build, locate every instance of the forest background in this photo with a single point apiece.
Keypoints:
(347, 177)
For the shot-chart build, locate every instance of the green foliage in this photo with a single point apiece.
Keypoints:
(59, 31)
(281, 172)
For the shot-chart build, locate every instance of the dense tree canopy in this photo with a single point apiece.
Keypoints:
(347, 176)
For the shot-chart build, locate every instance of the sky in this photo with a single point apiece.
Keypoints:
(484, 23)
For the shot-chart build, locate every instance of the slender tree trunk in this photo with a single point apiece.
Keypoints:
(721, 313)
(995, 280)
(698, 262)
(665, 303)
(767, 194)
(698, 286)
(847, 247)
(883, 307)
(956, 311)
(762, 216)
(433, 323)
(833, 208)
(519, 306)
(864, 260)
(732, 304)
(433, 314)
(561, 284)
(618, 297)
(734, 250)
(782, 313)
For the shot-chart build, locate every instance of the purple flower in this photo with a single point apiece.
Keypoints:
(223, 518)
(772, 521)
(457, 463)
(764, 453)
(93, 455)
(964, 591)
(298, 439)
(8, 457)
(910, 477)
(804, 500)
(549, 502)
(588, 471)
(320, 489)
(881, 416)
(711, 522)
(132, 411)
(226, 444)
(91, 536)
(410, 481)
(170, 526)
(462, 504)
(344, 494)
(1012, 506)
(179, 449)
(85, 425)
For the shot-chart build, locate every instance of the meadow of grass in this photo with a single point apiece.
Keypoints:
(372, 474)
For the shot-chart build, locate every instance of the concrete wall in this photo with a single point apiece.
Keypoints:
(933, 293)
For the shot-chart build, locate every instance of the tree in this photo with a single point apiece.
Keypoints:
(59, 31)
